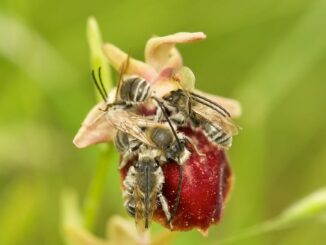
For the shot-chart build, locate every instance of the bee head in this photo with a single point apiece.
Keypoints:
(177, 98)
(173, 152)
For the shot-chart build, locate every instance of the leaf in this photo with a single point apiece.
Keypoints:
(312, 206)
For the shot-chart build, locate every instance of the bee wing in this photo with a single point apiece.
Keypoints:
(144, 122)
(126, 122)
(216, 118)
(140, 220)
(142, 223)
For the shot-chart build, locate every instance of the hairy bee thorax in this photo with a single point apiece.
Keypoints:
(161, 136)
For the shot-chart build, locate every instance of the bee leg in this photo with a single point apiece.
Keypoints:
(129, 181)
(128, 184)
(165, 209)
(189, 140)
(178, 118)
(117, 105)
(130, 206)
(158, 116)
(184, 156)
(125, 158)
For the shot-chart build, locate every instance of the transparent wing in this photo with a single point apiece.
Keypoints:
(143, 222)
(144, 122)
(129, 123)
(216, 118)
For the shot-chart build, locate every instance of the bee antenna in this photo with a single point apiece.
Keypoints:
(98, 87)
(201, 99)
(177, 199)
(123, 69)
(101, 83)
(162, 107)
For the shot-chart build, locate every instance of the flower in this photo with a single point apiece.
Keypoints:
(207, 177)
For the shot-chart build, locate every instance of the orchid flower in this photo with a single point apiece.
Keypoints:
(207, 175)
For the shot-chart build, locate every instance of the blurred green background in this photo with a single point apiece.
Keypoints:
(268, 54)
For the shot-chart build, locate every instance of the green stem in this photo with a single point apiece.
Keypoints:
(96, 190)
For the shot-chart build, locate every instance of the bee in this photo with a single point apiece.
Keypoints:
(143, 189)
(186, 107)
(154, 143)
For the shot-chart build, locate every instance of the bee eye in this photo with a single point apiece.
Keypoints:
(168, 98)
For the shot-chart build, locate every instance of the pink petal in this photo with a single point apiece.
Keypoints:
(164, 83)
(95, 128)
(161, 53)
(117, 57)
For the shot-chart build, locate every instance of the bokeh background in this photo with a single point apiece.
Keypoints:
(268, 54)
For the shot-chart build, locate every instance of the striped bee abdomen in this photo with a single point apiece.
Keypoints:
(134, 89)
(124, 142)
(217, 135)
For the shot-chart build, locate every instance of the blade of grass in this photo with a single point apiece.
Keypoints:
(310, 208)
